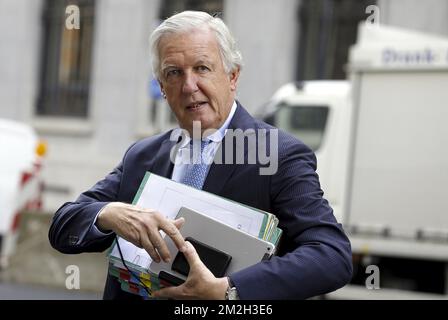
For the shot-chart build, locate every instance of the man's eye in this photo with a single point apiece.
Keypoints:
(173, 72)
(203, 68)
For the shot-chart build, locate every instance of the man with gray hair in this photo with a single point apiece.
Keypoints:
(197, 64)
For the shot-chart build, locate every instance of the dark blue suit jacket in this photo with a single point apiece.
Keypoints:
(314, 255)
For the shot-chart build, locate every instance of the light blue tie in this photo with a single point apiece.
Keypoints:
(196, 173)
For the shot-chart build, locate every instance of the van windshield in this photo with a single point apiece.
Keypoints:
(307, 123)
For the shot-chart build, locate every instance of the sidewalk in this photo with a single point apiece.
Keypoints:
(35, 262)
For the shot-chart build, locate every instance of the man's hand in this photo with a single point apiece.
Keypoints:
(200, 284)
(141, 227)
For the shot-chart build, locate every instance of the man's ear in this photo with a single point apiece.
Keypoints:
(234, 78)
(161, 88)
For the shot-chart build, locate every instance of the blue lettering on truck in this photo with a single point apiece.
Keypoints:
(408, 57)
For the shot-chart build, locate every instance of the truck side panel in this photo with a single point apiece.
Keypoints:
(400, 160)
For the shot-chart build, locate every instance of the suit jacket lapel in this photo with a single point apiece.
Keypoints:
(163, 165)
(219, 174)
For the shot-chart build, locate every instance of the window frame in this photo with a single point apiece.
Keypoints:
(67, 83)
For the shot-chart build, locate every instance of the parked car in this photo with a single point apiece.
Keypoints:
(21, 160)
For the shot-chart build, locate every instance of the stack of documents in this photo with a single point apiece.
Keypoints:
(168, 197)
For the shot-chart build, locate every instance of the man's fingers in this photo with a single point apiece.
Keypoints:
(146, 244)
(191, 255)
(179, 222)
(169, 292)
(171, 229)
(160, 245)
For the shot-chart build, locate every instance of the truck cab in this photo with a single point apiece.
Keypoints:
(319, 114)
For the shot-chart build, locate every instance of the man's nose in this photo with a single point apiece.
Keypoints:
(190, 83)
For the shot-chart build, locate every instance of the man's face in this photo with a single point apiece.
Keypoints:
(193, 78)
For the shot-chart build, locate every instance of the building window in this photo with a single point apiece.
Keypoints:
(327, 29)
(66, 56)
(170, 7)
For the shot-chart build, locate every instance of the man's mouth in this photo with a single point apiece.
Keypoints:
(196, 105)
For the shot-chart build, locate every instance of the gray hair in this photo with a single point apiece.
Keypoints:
(187, 20)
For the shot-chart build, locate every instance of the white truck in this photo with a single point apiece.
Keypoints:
(21, 159)
(381, 139)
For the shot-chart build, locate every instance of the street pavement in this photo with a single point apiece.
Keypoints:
(14, 291)
(37, 271)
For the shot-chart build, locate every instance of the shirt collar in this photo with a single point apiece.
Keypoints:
(217, 136)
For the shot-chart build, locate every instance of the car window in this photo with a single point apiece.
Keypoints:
(307, 123)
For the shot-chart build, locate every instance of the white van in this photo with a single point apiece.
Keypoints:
(21, 155)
